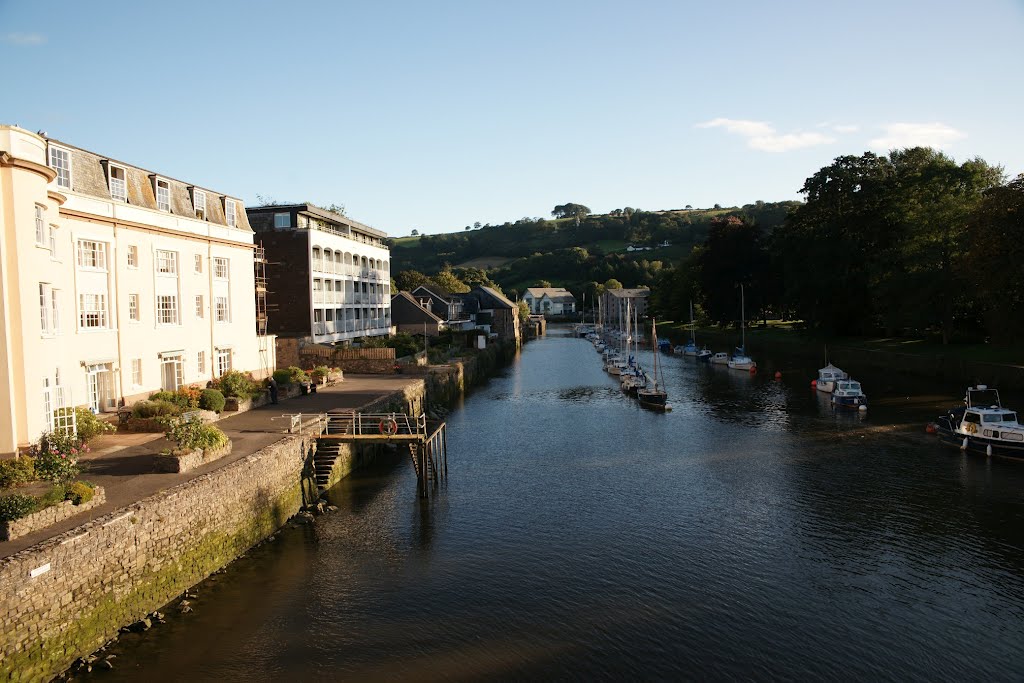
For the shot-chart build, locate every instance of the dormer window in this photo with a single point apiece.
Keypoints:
(117, 179)
(199, 202)
(60, 161)
(229, 211)
(163, 194)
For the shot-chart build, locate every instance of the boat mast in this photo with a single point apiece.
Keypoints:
(743, 321)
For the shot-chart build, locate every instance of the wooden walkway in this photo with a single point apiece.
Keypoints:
(427, 440)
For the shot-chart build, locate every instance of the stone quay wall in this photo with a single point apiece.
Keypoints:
(16, 528)
(65, 597)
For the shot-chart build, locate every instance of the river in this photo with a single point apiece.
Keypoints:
(748, 534)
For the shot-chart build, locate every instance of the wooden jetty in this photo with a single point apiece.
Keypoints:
(427, 440)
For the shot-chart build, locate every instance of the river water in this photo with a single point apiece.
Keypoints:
(749, 534)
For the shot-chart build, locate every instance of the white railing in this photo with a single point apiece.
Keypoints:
(374, 424)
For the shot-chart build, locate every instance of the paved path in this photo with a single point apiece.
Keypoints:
(123, 464)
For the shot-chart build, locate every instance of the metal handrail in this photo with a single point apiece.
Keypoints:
(361, 424)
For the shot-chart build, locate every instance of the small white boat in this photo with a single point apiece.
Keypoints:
(982, 425)
(741, 361)
(849, 394)
(704, 355)
(827, 378)
(720, 358)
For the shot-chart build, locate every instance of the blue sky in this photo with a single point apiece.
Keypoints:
(437, 115)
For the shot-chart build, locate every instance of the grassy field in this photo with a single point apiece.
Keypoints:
(485, 262)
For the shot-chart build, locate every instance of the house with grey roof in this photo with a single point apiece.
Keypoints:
(549, 300)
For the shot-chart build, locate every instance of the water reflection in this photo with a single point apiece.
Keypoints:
(750, 533)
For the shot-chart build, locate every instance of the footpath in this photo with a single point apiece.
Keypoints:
(123, 464)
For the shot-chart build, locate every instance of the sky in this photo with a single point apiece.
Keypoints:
(434, 116)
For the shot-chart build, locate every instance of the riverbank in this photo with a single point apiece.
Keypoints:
(69, 589)
(959, 365)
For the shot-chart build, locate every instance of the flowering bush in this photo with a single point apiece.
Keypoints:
(237, 384)
(189, 397)
(16, 506)
(56, 457)
(90, 426)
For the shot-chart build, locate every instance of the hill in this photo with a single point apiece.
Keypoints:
(631, 246)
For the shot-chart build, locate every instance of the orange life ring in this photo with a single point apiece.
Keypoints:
(388, 427)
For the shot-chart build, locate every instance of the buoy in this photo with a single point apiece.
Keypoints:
(814, 383)
(930, 428)
(753, 371)
(778, 374)
(988, 450)
(863, 408)
(963, 446)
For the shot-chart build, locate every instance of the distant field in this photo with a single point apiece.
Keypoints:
(610, 246)
(485, 262)
(407, 241)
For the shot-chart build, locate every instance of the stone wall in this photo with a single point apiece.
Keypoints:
(65, 597)
(16, 528)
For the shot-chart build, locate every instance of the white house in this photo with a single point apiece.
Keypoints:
(114, 282)
(549, 300)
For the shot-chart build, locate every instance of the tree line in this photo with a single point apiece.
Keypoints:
(911, 243)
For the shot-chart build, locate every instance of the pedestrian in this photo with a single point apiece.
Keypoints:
(272, 385)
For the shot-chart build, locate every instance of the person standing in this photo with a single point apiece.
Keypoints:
(272, 385)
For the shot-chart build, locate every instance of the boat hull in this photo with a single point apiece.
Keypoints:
(979, 444)
(853, 402)
(655, 399)
(825, 387)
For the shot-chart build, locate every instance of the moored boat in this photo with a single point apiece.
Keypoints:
(741, 361)
(720, 358)
(827, 378)
(704, 355)
(849, 394)
(982, 425)
(654, 395)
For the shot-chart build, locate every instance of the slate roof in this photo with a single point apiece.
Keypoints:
(554, 293)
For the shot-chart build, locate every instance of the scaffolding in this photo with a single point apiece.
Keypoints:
(260, 265)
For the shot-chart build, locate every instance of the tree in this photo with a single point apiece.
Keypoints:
(337, 208)
(408, 280)
(543, 283)
(996, 234)
(447, 280)
(612, 283)
(570, 210)
(689, 206)
(414, 232)
(524, 311)
(732, 255)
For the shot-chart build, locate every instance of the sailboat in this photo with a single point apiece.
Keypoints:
(654, 396)
(691, 346)
(740, 360)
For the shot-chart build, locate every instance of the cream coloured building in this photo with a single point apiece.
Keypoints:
(114, 282)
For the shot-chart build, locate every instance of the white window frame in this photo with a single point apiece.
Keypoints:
(136, 372)
(197, 266)
(199, 203)
(200, 309)
(40, 226)
(285, 223)
(221, 267)
(157, 182)
(222, 314)
(231, 218)
(92, 306)
(166, 262)
(45, 313)
(120, 183)
(167, 309)
(133, 256)
(222, 361)
(201, 362)
(133, 308)
(63, 169)
(91, 255)
(52, 236)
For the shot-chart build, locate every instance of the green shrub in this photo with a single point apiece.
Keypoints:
(238, 384)
(212, 399)
(291, 375)
(162, 396)
(158, 408)
(79, 493)
(89, 426)
(192, 433)
(16, 506)
(319, 373)
(55, 495)
(16, 472)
